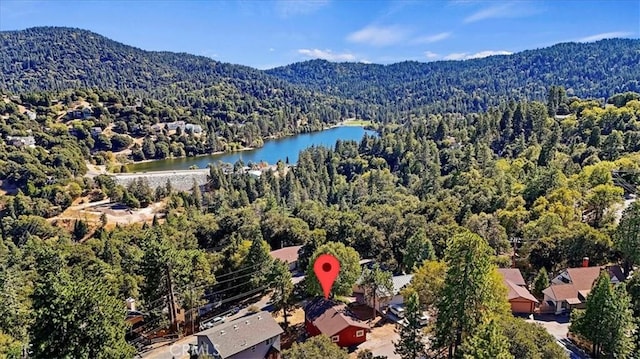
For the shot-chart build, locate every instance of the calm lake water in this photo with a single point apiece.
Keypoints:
(271, 152)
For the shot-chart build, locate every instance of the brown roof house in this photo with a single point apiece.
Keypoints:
(520, 299)
(570, 288)
(288, 255)
(334, 320)
(252, 337)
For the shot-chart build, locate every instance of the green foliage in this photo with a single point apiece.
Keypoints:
(279, 280)
(418, 249)
(472, 294)
(627, 237)
(349, 269)
(427, 282)
(607, 320)
(530, 340)
(411, 343)
(92, 317)
(377, 285)
(541, 282)
(318, 347)
(488, 343)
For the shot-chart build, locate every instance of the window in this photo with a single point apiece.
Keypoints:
(335, 338)
(360, 333)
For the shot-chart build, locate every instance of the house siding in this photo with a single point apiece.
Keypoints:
(347, 337)
(261, 350)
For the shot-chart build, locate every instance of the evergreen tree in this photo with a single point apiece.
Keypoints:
(627, 237)
(280, 282)
(411, 343)
(376, 281)
(318, 347)
(487, 343)
(607, 322)
(541, 282)
(418, 249)
(473, 292)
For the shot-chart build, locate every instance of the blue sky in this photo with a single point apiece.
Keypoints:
(266, 34)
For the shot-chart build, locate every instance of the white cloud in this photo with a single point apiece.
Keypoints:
(431, 55)
(487, 53)
(477, 55)
(432, 38)
(287, 8)
(327, 55)
(504, 10)
(378, 36)
(456, 56)
(271, 49)
(605, 35)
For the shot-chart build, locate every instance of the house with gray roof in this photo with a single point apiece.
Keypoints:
(384, 298)
(252, 337)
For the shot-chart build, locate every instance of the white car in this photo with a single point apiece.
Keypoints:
(212, 323)
(397, 310)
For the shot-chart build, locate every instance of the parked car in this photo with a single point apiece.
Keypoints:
(424, 320)
(397, 310)
(212, 323)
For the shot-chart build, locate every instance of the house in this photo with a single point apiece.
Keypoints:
(80, 113)
(172, 126)
(252, 337)
(334, 320)
(383, 298)
(288, 255)
(157, 128)
(95, 131)
(520, 299)
(189, 127)
(570, 288)
(30, 114)
(21, 141)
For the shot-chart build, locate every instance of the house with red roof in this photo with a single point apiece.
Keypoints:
(520, 299)
(336, 321)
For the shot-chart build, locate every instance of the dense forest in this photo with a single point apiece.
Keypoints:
(539, 184)
(597, 69)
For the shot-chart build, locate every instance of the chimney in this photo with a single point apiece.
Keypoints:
(585, 262)
(235, 327)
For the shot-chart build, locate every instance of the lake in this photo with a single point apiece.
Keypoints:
(271, 152)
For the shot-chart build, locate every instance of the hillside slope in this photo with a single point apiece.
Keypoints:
(597, 69)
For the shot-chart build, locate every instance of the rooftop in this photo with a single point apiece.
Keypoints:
(513, 275)
(243, 333)
(331, 317)
(286, 254)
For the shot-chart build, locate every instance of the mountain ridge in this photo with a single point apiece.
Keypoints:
(58, 58)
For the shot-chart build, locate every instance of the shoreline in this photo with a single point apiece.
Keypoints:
(345, 123)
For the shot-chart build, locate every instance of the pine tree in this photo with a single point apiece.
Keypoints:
(411, 343)
(541, 282)
(627, 237)
(607, 322)
(374, 282)
(473, 292)
(488, 343)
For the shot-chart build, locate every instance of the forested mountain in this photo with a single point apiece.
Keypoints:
(597, 69)
(51, 58)
(58, 59)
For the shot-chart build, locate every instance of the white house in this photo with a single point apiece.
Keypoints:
(383, 298)
(253, 337)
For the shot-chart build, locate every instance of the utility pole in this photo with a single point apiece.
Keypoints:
(171, 299)
(514, 241)
(284, 306)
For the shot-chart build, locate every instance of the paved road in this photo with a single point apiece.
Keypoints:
(558, 326)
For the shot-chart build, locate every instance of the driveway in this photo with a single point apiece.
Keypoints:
(380, 341)
(558, 326)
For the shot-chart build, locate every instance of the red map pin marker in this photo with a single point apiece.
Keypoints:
(326, 268)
